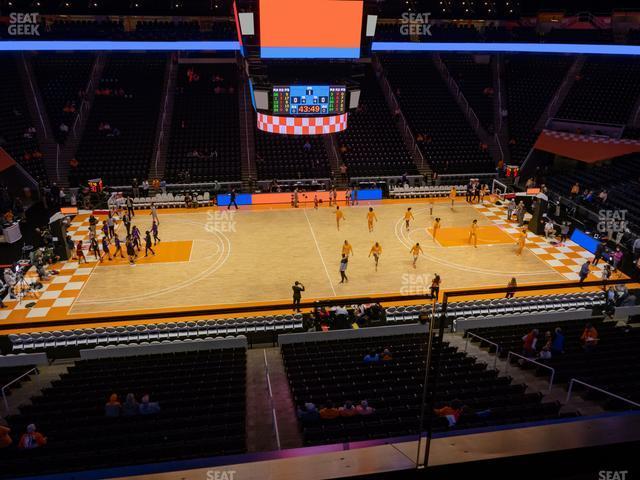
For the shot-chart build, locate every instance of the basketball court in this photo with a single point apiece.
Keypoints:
(214, 257)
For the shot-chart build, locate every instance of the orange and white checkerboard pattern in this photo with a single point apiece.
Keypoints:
(566, 259)
(302, 125)
(60, 291)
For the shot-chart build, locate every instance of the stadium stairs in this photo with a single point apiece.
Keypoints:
(159, 159)
(499, 147)
(422, 164)
(534, 383)
(37, 111)
(634, 119)
(47, 374)
(73, 140)
(463, 103)
(247, 125)
(557, 100)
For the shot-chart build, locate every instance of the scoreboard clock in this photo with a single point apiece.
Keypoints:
(308, 100)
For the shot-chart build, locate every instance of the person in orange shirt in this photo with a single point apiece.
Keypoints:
(376, 251)
(416, 251)
(473, 234)
(329, 412)
(347, 249)
(339, 216)
(589, 337)
(453, 193)
(408, 216)
(435, 227)
(371, 219)
(522, 241)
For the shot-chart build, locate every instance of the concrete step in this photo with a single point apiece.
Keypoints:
(534, 383)
(33, 388)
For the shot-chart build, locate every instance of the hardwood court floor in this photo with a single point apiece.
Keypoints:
(254, 255)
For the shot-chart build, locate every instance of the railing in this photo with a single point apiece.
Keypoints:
(499, 143)
(45, 129)
(469, 334)
(163, 119)
(393, 103)
(597, 389)
(273, 408)
(553, 370)
(5, 387)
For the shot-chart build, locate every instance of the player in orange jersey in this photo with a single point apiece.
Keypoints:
(453, 193)
(416, 251)
(473, 233)
(435, 228)
(522, 240)
(408, 216)
(376, 251)
(371, 218)
(347, 249)
(339, 216)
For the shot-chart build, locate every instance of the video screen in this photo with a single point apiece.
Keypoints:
(309, 100)
(310, 29)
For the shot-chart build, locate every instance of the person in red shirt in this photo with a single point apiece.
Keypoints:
(5, 438)
(529, 343)
(348, 410)
(32, 439)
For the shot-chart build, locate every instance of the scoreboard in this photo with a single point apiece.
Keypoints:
(309, 100)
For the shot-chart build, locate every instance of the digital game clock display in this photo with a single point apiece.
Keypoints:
(309, 100)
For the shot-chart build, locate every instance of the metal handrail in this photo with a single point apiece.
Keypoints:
(273, 408)
(495, 360)
(553, 370)
(4, 388)
(598, 389)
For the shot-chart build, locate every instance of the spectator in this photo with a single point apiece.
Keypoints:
(545, 353)
(575, 190)
(163, 185)
(386, 355)
(364, 408)
(511, 288)
(557, 346)
(113, 407)
(450, 412)
(584, 271)
(348, 410)
(329, 412)
(529, 342)
(371, 357)
(617, 258)
(307, 146)
(148, 408)
(589, 338)
(32, 439)
(309, 414)
(599, 253)
(130, 407)
(5, 438)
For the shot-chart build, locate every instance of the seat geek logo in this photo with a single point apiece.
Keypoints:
(415, 24)
(23, 25)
